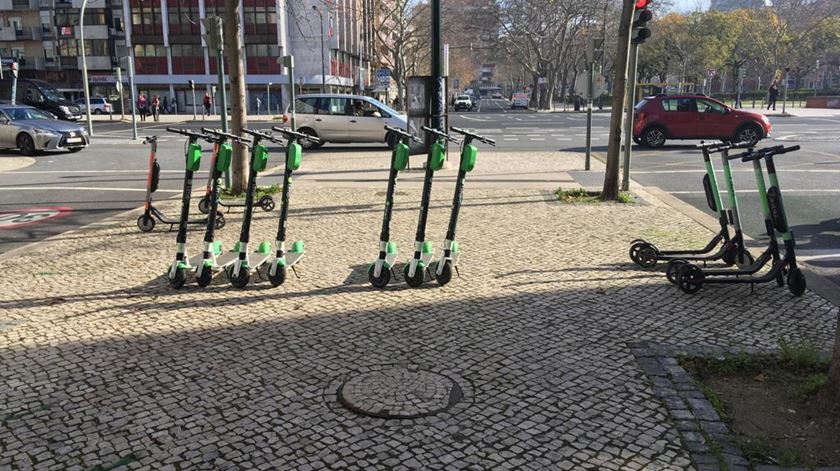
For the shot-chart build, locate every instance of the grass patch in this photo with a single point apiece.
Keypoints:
(581, 195)
(260, 192)
(713, 398)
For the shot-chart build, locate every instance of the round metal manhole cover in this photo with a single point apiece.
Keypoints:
(399, 392)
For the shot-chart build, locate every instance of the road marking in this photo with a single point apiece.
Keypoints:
(700, 170)
(80, 188)
(35, 172)
(471, 118)
(786, 190)
(24, 217)
(537, 138)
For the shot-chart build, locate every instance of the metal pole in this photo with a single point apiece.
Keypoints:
(84, 68)
(268, 98)
(290, 64)
(628, 119)
(437, 68)
(590, 87)
(15, 73)
(193, 96)
(133, 95)
(223, 98)
(784, 98)
(323, 57)
(120, 89)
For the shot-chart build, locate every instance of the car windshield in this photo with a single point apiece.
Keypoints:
(641, 104)
(384, 107)
(51, 93)
(20, 114)
(464, 97)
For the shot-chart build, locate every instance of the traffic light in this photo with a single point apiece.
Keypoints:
(192, 84)
(213, 38)
(14, 68)
(641, 15)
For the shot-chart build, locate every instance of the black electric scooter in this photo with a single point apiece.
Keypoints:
(206, 264)
(283, 260)
(266, 202)
(451, 249)
(646, 254)
(177, 273)
(380, 271)
(691, 278)
(146, 221)
(413, 272)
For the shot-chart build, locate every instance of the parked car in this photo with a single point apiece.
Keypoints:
(41, 95)
(32, 130)
(344, 118)
(98, 105)
(463, 103)
(520, 100)
(496, 95)
(662, 117)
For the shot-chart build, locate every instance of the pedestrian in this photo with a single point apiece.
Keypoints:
(143, 107)
(207, 104)
(173, 105)
(156, 108)
(166, 104)
(773, 95)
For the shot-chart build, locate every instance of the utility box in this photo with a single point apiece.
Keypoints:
(420, 93)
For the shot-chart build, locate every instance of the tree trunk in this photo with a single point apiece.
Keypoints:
(236, 75)
(535, 92)
(610, 190)
(832, 388)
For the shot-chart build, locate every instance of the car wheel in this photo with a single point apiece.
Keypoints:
(654, 137)
(748, 133)
(26, 144)
(73, 150)
(97, 111)
(307, 144)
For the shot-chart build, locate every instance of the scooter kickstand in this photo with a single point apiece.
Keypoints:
(294, 270)
(457, 272)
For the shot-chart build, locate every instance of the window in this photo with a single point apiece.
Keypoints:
(306, 105)
(335, 106)
(707, 106)
(679, 104)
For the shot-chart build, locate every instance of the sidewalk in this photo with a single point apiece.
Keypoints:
(180, 118)
(525, 361)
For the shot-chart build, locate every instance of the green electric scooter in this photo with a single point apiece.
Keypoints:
(691, 278)
(451, 250)
(205, 263)
(413, 271)
(278, 266)
(380, 271)
(177, 273)
(238, 263)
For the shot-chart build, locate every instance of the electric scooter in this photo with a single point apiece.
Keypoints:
(278, 266)
(380, 271)
(206, 264)
(266, 202)
(146, 221)
(691, 277)
(646, 254)
(238, 263)
(451, 250)
(414, 269)
(177, 273)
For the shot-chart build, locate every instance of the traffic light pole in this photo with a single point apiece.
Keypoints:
(437, 68)
(289, 62)
(590, 87)
(630, 103)
(223, 98)
(130, 61)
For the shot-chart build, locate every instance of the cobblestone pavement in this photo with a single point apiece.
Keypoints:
(104, 365)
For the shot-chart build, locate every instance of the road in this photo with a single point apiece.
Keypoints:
(109, 177)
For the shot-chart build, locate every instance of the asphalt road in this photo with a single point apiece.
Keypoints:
(71, 190)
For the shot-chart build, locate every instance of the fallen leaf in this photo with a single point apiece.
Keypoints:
(760, 377)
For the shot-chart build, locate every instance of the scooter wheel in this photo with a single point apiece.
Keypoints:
(241, 280)
(279, 276)
(445, 275)
(748, 260)
(205, 278)
(204, 205)
(796, 282)
(220, 221)
(177, 281)
(643, 254)
(690, 278)
(267, 203)
(672, 271)
(380, 281)
(416, 280)
(145, 223)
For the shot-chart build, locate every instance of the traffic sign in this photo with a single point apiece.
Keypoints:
(24, 217)
(383, 76)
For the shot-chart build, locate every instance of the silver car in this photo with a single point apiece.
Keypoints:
(345, 118)
(32, 130)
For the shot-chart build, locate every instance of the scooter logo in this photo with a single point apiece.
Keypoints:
(26, 216)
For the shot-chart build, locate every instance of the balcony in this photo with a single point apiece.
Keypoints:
(25, 4)
(28, 33)
(46, 32)
(69, 62)
(90, 3)
(93, 32)
(8, 34)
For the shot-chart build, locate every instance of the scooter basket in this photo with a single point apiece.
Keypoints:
(400, 157)
(468, 155)
(193, 157)
(223, 159)
(437, 156)
(260, 158)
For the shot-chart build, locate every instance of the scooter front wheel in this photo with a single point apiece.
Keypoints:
(220, 221)
(266, 203)
(241, 280)
(279, 276)
(204, 205)
(796, 282)
(445, 275)
(205, 278)
(672, 270)
(145, 223)
(382, 280)
(177, 281)
(416, 280)
(643, 254)
(690, 278)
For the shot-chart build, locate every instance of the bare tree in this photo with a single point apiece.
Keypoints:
(236, 74)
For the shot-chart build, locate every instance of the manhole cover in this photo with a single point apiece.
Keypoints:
(399, 392)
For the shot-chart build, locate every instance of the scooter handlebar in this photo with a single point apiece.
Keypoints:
(150, 140)
(186, 132)
(473, 135)
(260, 134)
(403, 133)
(288, 132)
(769, 152)
(756, 152)
(233, 137)
(441, 134)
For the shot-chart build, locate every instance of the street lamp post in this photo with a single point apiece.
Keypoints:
(323, 58)
(84, 67)
(268, 98)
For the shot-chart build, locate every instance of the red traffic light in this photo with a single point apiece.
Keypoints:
(642, 4)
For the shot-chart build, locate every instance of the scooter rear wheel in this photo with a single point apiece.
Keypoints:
(382, 280)
(177, 281)
(279, 276)
(220, 221)
(643, 254)
(145, 223)
(796, 282)
(204, 205)
(418, 278)
(266, 203)
(690, 278)
(672, 270)
(445, 275)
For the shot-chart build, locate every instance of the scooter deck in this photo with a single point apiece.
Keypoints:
(226, 259)
(293, 257)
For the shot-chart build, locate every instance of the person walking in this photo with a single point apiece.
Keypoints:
(207, 104)
(166, 104)
(773, 95)
(143, 107)
(156, 108)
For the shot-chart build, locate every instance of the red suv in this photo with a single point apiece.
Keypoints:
(661, 117)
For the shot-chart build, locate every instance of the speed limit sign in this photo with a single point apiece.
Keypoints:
(24, 217)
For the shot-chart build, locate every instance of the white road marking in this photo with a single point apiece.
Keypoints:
(80, 188)
(699, 170)
(786, 190)
(35, 172)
